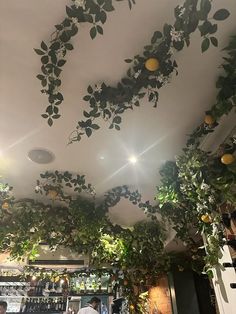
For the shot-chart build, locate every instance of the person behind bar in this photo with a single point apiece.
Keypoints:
(91, 308)
(3, 307)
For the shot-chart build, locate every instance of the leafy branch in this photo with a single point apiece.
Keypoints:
(53, 55)
(109, 103)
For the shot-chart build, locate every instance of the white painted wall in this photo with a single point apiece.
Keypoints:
(225, 295)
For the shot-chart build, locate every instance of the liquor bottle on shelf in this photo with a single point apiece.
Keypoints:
(99, 284)
(82, 285)
(94, 285)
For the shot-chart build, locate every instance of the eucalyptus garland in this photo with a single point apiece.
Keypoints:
(151, 70)
(53, 54)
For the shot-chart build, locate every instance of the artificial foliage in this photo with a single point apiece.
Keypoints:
(226, 97)
(53, 54)
(192, 190)
(150, 71)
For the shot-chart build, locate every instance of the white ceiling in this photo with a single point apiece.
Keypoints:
(156, 135)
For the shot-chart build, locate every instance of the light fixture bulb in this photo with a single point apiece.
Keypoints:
(34, 277)
(133, 159)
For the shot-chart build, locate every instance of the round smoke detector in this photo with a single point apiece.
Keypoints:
(41, 156)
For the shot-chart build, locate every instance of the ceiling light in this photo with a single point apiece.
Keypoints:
(133, 159)
(41, 156)
(102, 157)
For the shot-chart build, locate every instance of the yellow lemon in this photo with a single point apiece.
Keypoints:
(209, 119)
(152, 64)
(5, 205)
(227, 159)
(131, 307)
(125, 282)
(206, 218)
(52, 194)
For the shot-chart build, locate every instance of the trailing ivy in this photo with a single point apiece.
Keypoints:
(192, 190)
(109, 103)
(70, 219)
(53, 54)
(226, 97)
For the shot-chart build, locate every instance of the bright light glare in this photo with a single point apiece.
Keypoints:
(34, 277)
(133, 159)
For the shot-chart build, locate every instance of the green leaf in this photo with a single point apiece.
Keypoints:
(128, 60)
(45, 116)
(103, 17)
(70, 12)
(69, 46)
(205, 8)
(93, 32)
(156, 36)
(99, 29)
(87, 98)
(108, 6)
(44, 46)
(57, 71)
(39, 52)
(205, 28)
(40, 77)
(179, 45)
(44, 59)
(65, 37)
(205, 44)
(88, 132)
(214, 41)
(55, 46)
(56, 116)
(95, 126)
(89, 89)
(50, 122)
(221, 15)
(86, 114)
(117, 120)
(61, 62)
(166, 30)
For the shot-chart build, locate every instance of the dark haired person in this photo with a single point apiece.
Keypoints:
(91, 308)
(3, 307)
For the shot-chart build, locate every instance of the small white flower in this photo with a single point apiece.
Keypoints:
(79, 3)
(53, 234)
(37, 188)
(61, 53)
(162, 79)
(136, 74)
(181, 10)
(211, 199)
(134, 99)
(171, 51)
(205, 186)
(74, 20)
(98, 88)
(176, 35)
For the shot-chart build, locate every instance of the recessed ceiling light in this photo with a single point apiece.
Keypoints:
(102, 157)
(41, 156)
(133, 159)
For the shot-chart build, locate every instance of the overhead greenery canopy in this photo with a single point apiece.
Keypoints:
(150, 71)
(193, 187)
